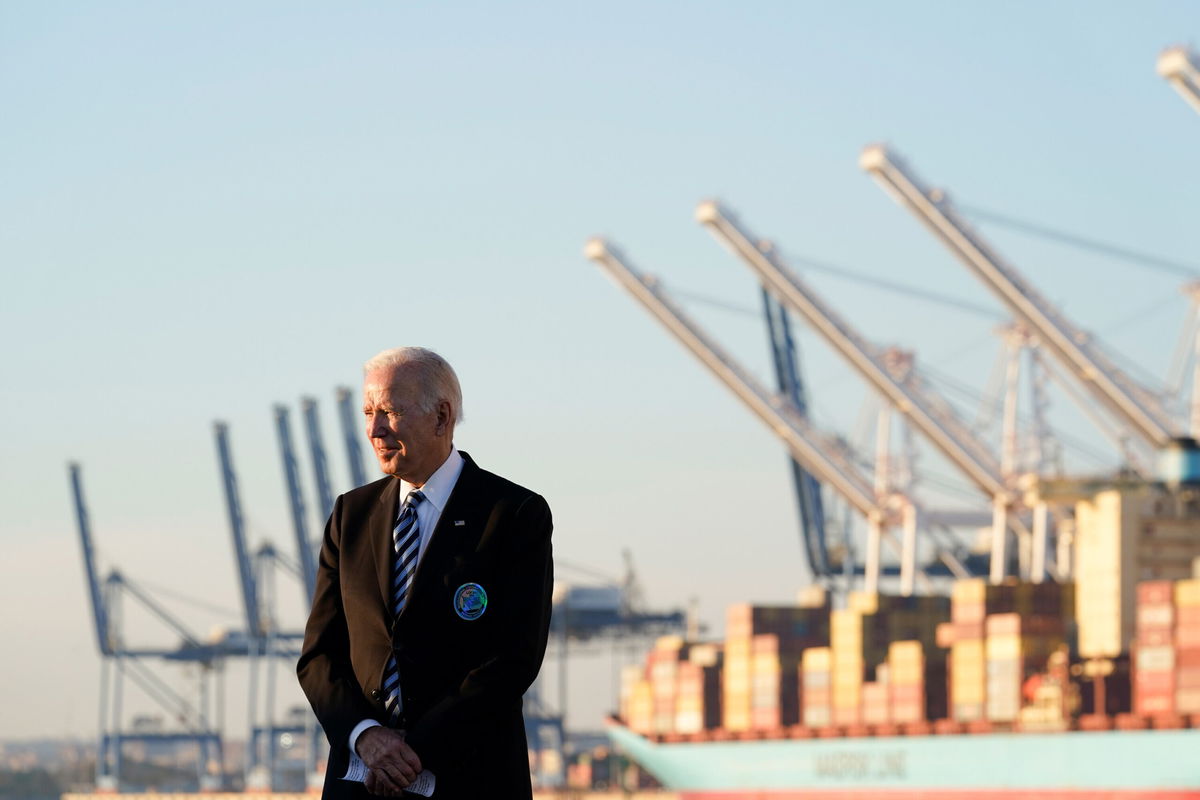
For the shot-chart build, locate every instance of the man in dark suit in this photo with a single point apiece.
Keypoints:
(432, 604)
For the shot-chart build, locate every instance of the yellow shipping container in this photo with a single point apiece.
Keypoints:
(863, 602)
(906, 674)
(847, 696)
(1187, 593)
(737, 649)
(961, 693)
(672, 642)
(971, 590)
(1009, 646)
(706, 655)
(906, 652)
(969, 651)
(816, 659)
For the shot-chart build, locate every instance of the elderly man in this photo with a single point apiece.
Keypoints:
(432, 604)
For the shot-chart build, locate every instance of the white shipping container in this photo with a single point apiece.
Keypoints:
(1156, 659)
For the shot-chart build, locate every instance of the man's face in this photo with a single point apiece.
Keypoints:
(409, 443)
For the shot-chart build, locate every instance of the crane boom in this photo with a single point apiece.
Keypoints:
(350, 434)
(316, 447)
(291, 471)
(1181, 68)
(99, 608)
(237, 527)
(930, 414)
(1120, 394)
(822, 457)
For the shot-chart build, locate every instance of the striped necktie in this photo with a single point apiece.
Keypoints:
(406, 537)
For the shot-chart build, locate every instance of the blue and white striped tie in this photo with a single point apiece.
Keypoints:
(406, 537)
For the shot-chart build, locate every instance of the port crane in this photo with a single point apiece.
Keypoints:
(1181, 68)
(305, 549)
(347, 415)
(893, 378)
(120, 661)
(1132, 404)
(267, 647)
(316, 449)
(824, 456)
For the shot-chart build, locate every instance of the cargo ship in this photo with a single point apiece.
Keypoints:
(1031, 690)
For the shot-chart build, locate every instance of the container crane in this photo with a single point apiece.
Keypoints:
(821, 455)
(893, 378)
(119, 661)
(305, 551)
(350, 434)
(237, 528)
(1128, 401)
(1181, 68)
(267, 647)
(316, 447)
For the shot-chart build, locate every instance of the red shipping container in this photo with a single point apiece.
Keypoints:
(1187, 657)
(1188, 637)
(1150, 682)
(968, 631)
(1155, 704)
(1187, 615)
(1158, 637)
(1187, 678)
(1155, 593)
(1000, 624)
(764, 718)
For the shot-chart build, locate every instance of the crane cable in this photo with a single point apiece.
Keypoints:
(1084, 243)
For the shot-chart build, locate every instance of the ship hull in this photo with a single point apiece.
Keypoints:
(1107, 765)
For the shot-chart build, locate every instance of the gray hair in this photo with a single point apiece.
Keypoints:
(437, 379)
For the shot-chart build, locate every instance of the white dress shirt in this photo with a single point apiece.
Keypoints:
(437, 492)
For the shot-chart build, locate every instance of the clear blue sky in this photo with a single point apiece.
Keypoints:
(210, 208)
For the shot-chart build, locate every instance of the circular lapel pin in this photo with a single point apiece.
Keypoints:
(470, 601)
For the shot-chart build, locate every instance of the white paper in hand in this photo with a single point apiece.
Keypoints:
(423, 785)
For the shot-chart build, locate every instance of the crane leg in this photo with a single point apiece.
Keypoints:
(999, 540)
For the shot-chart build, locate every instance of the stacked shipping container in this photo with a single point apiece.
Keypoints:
(1154, 652)
(763, 646)
(860, 636)
(698, 693)
(816, 682)
(1017, 648)
(1187, 643)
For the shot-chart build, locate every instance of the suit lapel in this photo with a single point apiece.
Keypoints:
(382, 522)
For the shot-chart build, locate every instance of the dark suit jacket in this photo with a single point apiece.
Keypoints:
(462, 680)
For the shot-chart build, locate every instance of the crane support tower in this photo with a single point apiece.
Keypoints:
(1130, 402)
(808, 488)
(1181, 68)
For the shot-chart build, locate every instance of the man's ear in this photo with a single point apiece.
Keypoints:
(445, 417)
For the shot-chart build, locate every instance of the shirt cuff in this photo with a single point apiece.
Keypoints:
(358, 729)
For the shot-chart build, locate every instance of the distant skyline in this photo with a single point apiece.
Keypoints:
(212, 209)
